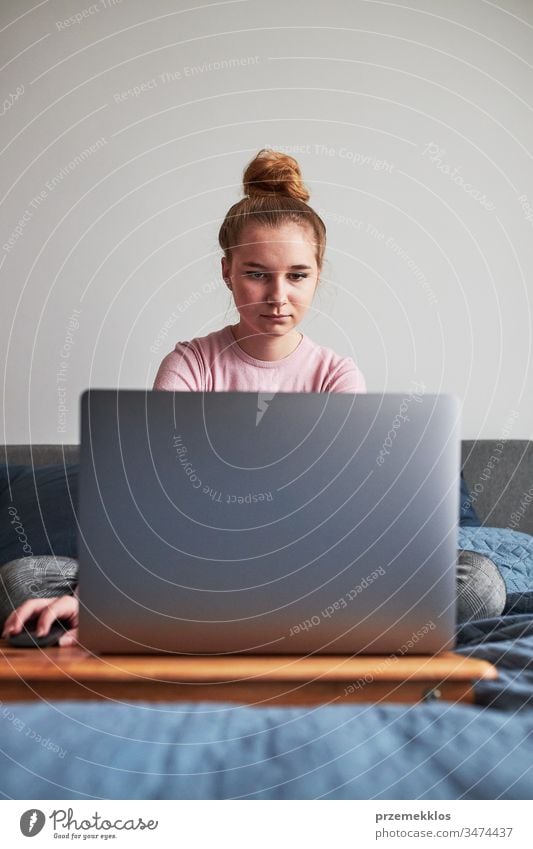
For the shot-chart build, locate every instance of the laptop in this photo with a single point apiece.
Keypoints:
(268, 523)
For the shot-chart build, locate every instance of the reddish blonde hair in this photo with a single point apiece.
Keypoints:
(274, 195)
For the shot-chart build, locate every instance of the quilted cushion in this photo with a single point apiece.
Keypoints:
(511, 551)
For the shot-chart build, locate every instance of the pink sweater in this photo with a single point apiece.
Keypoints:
(217, 363)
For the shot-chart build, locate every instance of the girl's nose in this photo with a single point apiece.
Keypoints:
(277, 290)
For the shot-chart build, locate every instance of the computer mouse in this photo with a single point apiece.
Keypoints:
(27, 638)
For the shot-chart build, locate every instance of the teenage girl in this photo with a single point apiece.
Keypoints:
(273, 245)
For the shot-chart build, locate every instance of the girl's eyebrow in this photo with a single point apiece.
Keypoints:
(264, 267)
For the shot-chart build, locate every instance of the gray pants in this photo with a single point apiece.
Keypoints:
(481, 590)
(35, 577)
(480, 587)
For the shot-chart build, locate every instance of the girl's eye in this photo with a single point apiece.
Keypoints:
(259, 275)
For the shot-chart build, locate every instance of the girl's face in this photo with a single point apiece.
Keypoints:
(272, 272)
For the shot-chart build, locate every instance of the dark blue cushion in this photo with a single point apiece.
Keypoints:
(467, 514)
(38, 508)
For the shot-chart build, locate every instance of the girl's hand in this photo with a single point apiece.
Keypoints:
(50, 609)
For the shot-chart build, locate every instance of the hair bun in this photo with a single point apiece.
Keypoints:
(274, 172)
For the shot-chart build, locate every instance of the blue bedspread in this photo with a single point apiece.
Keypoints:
(507, 642)
(220, 751)
(201, 751)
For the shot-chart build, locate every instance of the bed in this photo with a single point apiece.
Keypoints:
(206, 750)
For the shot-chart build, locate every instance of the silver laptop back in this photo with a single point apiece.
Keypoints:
(292, 523)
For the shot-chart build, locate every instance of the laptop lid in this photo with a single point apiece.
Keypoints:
(290, 523)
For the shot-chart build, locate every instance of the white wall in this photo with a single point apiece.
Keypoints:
(412, 123)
